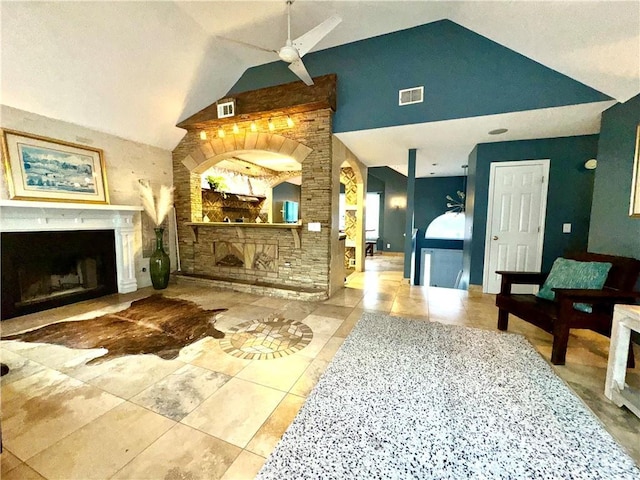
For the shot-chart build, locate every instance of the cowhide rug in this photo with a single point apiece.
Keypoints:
(156, 325)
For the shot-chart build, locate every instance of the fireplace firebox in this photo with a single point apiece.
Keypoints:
(42, 270)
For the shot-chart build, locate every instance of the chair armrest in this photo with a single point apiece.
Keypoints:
(601, 301)
(595, 296)
(520, 278)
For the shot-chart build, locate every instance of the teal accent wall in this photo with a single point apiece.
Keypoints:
(430, 198)
(464, 75)
(374, 184)
(568, 200)
(392, 226)
(612, 230)
(431, 202)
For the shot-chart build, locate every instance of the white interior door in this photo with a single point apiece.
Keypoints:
(515, 220)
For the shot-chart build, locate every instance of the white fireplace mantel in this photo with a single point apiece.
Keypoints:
(26, 216)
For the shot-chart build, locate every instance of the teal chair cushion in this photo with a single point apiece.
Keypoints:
(567, 273)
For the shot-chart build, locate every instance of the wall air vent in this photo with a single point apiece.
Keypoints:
(226, 107)
(411, 95)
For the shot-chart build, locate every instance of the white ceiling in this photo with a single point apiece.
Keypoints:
(447, 144)
(135, 69)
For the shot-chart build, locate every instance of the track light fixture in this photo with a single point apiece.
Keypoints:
(253, 126)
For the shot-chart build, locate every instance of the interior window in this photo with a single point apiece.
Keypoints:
(448, 226)
(372, 216)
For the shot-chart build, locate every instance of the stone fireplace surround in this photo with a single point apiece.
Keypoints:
(27, 216)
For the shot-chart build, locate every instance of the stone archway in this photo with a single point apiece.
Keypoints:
(353, 176)
(208, 153)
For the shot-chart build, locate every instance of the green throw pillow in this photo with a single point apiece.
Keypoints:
(567, 273)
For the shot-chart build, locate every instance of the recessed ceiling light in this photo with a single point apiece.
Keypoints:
(498, 131)
(591, 164)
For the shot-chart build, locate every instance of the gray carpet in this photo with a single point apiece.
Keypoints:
(411, 399)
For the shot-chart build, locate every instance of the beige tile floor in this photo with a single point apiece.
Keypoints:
(207, 414)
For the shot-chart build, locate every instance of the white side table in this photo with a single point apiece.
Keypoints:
(625, 319)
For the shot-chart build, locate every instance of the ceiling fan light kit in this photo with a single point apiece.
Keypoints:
(293, 50)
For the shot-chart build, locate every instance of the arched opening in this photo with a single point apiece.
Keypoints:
(238, 186)
(442, 266)
(448, 226)
(351, 214)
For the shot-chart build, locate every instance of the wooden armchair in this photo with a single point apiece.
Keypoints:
(558, 317)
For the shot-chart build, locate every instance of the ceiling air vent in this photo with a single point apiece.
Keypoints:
(411, 95)
(226, 107)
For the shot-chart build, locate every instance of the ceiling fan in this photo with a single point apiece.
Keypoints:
(293, 50)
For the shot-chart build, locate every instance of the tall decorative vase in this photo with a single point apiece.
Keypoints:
(159, 263)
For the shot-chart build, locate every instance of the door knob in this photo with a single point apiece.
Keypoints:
(495, 237)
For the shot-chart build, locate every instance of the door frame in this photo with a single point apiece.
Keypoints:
(546, 163)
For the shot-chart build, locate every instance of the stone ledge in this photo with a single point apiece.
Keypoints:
(255, 287)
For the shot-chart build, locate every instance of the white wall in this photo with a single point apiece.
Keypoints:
(125, 162)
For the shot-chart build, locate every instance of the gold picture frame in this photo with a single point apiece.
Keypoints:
(45, 169)
(634, 205)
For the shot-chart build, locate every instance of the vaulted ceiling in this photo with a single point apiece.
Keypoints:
(135, 69)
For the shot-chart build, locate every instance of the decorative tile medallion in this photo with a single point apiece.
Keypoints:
(272, 337)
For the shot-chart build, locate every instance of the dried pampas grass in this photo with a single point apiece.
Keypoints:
(156, 210)
(165, 202)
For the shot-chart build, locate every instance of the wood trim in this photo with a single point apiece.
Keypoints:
(290, 98)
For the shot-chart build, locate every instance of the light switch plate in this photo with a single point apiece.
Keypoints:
(566, 228)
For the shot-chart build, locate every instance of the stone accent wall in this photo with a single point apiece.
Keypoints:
(292, 98)
(207, 261)
(307, 267)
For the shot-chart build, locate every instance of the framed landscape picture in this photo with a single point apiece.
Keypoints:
(40, 168)
(634, 207)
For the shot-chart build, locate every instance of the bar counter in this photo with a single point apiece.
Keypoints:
(239, 226)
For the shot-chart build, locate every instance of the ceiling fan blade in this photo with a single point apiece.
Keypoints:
(256, 47)
(299, 69)
(306, 42)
